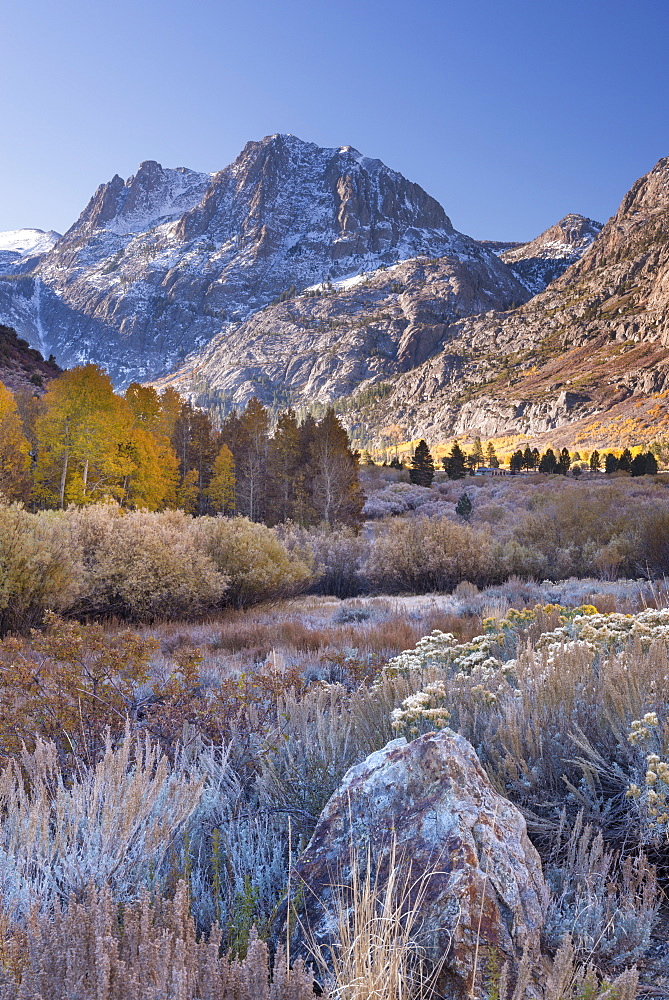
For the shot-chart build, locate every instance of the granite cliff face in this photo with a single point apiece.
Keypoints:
(593, 339)
(158, 264)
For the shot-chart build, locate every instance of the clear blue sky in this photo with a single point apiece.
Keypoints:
(510, 112)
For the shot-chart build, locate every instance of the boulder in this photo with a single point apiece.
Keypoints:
(478, 875)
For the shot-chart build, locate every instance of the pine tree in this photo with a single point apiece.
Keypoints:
(464, 506)
(477, 454)
(454, 464)
(422, 466)
(528, 458)
(595, 461)
(564, 462)
(491, 457)
(610, 463)
(248, 439)
(625, 461)
(548, 463)
(644, 464)
(287, 467)
(516, 462)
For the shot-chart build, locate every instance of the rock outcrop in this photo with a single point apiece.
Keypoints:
(467, 847)
(346, 337)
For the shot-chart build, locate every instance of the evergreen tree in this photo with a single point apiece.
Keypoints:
(422, 466)
(564, 462)
(548, 463)
(625, 461)
(287, 468)
(516, 462)
(478, 458)
(536, 458)
(595, 461)
(464, 506)
(528, 458)
(491, 457)
(395, 463)
(454, 464)
(610, 463)
(247, 437)
(644, 464)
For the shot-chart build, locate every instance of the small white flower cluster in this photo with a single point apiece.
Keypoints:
(654, 795)
(440, 649)
(611, 633)
(426, 706)
(433, 650)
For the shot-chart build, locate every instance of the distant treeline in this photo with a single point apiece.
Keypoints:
(82, 443)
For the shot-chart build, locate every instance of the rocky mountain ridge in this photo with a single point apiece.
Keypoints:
(591, 351)
(160, 264)
(548, 256)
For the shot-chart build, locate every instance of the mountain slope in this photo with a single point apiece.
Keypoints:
(595, 342)
(159, 264)
(342, 337)
(22, 368)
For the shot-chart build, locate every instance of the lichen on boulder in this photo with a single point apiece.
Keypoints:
(430, 805)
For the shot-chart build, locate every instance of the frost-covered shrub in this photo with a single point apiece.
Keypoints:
(110, 825)
(142, 565)
(336, 556)
(607, 905)
(38, 566)
(420, 554)
(252, 558)
(398, 498)
(236, 853)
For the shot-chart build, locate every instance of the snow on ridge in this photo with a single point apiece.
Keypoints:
(27, 241)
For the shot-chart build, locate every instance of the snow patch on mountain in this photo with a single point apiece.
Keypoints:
(18, 246)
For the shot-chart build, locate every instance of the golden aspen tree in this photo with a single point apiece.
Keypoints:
(14, 450)
(221, 489)
(78, 436)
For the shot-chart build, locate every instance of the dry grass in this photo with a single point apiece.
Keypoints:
(376, 955)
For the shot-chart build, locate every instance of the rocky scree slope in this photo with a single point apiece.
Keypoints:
(160, 263)
(595, 338)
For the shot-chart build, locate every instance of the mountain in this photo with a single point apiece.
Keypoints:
(585, 361)
(21, 249)
(346, 336)
(547, 257)
(159, 264)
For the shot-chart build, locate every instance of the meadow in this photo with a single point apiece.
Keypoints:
(181, 696)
